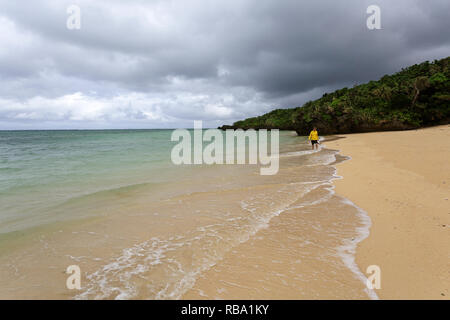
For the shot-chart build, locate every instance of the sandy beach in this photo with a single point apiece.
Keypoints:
(227, 232)
(402, 180)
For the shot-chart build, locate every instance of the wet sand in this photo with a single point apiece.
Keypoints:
(402, 180)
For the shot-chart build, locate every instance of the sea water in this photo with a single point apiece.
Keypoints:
(139, 227)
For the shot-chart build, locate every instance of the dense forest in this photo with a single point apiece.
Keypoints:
(414, 97)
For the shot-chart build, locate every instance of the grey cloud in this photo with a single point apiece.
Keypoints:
(218, 61)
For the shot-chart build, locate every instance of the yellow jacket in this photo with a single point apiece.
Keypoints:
(314, 135)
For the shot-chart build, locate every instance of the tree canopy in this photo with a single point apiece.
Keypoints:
(414, 97)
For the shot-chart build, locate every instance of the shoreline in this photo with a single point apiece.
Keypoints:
(402, 180)
(305, 233)
(240, 235)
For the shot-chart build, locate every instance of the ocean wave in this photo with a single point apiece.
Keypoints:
(167, 268)
(347, 251)
(166, 258)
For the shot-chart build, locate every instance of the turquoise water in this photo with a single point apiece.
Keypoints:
(41, 170)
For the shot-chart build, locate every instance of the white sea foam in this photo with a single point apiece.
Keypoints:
(298, 153)
(348, 250)
(141, 258)
(116, 279)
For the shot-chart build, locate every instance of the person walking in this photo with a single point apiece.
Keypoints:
(314, 138)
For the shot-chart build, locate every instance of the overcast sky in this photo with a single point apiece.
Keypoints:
(163, 64)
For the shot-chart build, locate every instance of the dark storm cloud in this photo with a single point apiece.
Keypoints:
(163, 63)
